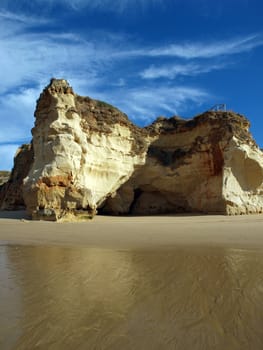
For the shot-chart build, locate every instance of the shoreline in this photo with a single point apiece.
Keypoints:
(137, 232)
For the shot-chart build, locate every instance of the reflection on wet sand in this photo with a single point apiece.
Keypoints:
(84, 298)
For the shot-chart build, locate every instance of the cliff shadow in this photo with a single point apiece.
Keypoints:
(14, 214)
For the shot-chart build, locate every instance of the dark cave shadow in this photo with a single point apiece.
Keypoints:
(14, 214)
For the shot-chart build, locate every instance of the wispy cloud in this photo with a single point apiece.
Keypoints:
(29, 58)
(172, 71)
(144, 104)
(117, 6)
(17, 111)
(15, 17)
(109, 69)
(209, 50)
(201, 50)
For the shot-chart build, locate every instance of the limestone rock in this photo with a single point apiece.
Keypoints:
(209, 164)
(84, 151)
(11, 197)
(89, 157)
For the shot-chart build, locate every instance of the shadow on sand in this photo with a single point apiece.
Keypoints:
(16, 215)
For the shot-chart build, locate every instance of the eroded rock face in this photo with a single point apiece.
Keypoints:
(11, 197)
(88, 156)
(84, 151)
(4, 176)
(209, 164)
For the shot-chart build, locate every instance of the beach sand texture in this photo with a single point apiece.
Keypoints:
(171, 282)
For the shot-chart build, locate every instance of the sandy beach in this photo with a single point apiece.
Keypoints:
(167, 282)
(136, 232)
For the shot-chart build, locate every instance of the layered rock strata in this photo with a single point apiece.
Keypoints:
(89, 157)
(209, 164)
(84, 151)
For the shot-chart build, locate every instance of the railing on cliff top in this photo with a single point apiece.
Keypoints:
(218, 107)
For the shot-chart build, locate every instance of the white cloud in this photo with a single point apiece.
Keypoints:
(143, 105)
(32, 58)
(201, 50)
(172, 71)
(209, 50)
(29, 57)
(104, 69)
(15, 17)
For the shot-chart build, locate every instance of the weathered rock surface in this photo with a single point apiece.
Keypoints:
(209, 164)
(84, 151)
(88, 156)
(4, 176)
(11, 197)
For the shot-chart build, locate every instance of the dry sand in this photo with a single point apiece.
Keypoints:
(137, 232)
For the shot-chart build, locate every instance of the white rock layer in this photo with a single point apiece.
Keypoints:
(76, 166)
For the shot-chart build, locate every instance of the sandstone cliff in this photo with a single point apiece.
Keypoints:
(11, 197)
(209, 164)
(89, 157)
(84, 151)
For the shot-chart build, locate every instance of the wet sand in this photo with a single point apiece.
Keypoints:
(132, 283)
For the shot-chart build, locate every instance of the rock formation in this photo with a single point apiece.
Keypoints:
(209, 164)
(84, 151)
(11, 197)
(4, 176)
(89, 157)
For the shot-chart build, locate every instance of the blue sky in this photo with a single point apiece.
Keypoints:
(147, 57)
